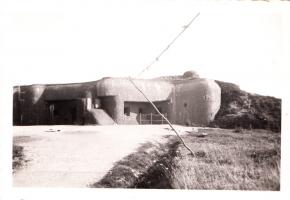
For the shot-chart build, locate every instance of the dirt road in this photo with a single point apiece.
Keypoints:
(75, 156)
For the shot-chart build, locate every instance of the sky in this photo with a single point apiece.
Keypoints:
(61, 41)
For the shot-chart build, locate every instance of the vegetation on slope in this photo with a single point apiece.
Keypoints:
(223, 159)
(18, 156)
(137, 168)
(242, 109)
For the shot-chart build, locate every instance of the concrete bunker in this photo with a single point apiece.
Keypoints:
(185, 100)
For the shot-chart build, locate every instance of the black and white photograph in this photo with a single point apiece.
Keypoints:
(165, 97)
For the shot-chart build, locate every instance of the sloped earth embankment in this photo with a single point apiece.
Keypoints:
(148, 167)
(223, 159)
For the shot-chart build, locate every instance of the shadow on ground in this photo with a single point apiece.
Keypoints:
(148, 167)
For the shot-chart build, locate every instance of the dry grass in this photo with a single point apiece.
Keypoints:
(223, 160)
(226, 160)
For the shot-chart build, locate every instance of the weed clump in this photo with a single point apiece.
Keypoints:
(18, 157)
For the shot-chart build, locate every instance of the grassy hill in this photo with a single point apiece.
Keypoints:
(246, 110)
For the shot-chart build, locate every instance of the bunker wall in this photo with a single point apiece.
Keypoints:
(155, 90)
(196, 102)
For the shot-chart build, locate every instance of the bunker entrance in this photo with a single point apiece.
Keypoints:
(144, 113)
(65, 112)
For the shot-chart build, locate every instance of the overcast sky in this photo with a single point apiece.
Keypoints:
(60, 41)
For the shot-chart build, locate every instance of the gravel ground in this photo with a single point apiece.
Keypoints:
(76, 156)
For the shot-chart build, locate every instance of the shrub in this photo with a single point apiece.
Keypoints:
(239, 108)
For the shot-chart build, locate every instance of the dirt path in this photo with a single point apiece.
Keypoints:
(76, 156)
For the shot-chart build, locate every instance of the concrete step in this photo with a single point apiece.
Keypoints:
(99, 117)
